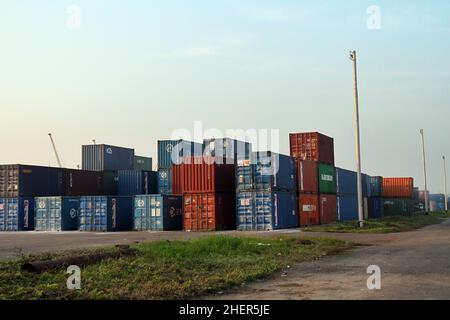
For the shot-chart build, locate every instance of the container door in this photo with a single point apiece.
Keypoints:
(155, 214)
(40, 215)
(12, 215)
(86, 216)
(263, 211)
(244, 175)
(246, 219)
(140, 214)
(100, 214)
(2, 215)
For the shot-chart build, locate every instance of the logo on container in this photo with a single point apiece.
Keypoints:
(169, 148)
(73, 213)
(109, 150)
(309, 208)
(326, 177)
(42, 204)
(245, 202)
(140, 203)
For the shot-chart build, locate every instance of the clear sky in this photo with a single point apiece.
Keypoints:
(137, 70)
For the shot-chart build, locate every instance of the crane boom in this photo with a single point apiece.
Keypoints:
(54, 149)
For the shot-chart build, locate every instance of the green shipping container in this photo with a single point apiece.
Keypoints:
(142, 163)
(327, 179)
(398, 207)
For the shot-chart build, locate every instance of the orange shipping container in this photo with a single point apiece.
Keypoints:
(398, 187)
(209, 211)
(309, 210)
(203, 174)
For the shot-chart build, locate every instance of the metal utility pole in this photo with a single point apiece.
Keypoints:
(445, 184)
(427, 202)
(358, 141)
(54, 149)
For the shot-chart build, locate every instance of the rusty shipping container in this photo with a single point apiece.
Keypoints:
(328, 208)
(398, 187)
(312, 146)
(307, 176)
(209, 211)
(309, 209)
(202, 174)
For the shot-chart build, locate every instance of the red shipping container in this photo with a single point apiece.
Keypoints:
(312, 146)
(307, 176)
(309, 210)
(202, 174)
(209, 211)
(398, 187)
(328, 208)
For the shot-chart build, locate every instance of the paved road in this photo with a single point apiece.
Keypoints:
(414, 265)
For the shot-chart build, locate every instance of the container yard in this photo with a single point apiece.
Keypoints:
(224, 159)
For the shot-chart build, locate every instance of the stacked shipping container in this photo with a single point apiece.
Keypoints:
(208, 191)
(158, 212)
(398, 196)
(266, 198)
(316, 177)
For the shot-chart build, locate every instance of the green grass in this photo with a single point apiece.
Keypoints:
(385, 225)
(169, 270)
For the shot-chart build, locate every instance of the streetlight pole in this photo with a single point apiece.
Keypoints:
(445, 184)
(357, 140)
(427, 203)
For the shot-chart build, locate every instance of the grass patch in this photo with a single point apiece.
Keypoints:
(169, 270)
(385, 225)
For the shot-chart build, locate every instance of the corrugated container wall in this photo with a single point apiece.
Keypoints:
(328, 207)
(227, 148)
(307, 176)
(209, 211)
(105, 213)
(374, 186)
(200, 174)
(266, 210)
(309, 210)
(83, 183)
(398, 187)
(110, 183)
(312, 146)
(102, 157)
(143, 163)
(398, 207)
(266, 171)
(172, 152)
(158, 212)
(347, 182)
(165, 181)
(347, 207)
(16, 214)
(30, 181)
(132, 183)
(56, 213)
(376, 208)
(327, 179)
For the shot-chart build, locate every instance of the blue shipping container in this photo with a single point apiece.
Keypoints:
(101, 157)
(376, 208)
(165, 181)
(132, 183)
(266, 171)
(374, 186)
(347, 207)
(346, 182)
(30, 181)
(158, 212)
(173, 151)
(437, 197)
(56, 213)
(227, 148)
(16, 214)
(266, 210)
(106, 213)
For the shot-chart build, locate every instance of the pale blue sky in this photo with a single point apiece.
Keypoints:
(137, 70)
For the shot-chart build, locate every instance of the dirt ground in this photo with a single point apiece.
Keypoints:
(414, 265)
